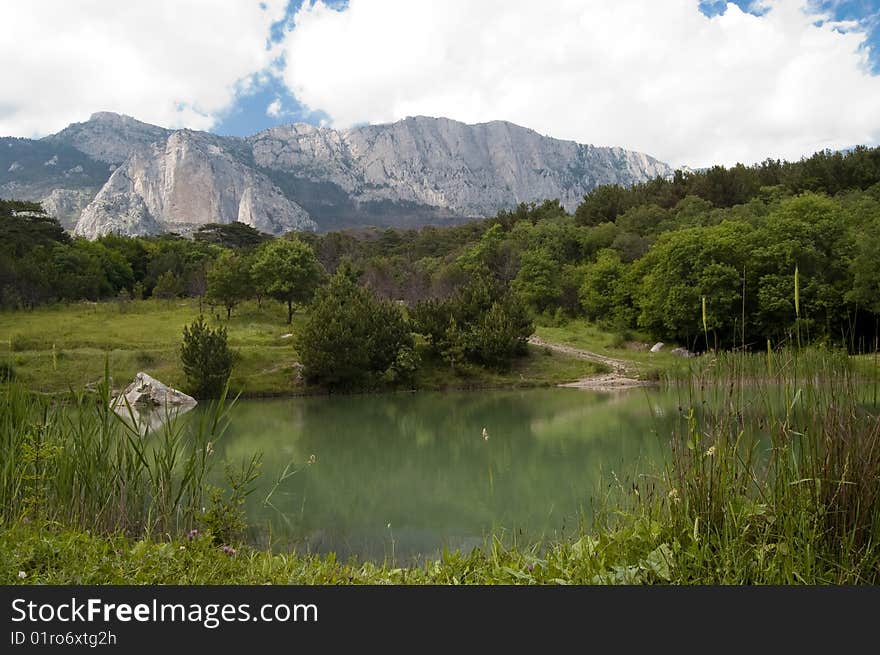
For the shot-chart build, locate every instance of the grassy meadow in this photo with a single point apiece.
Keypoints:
(58, 348)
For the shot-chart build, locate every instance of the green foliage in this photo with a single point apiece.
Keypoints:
(81, 465)
(603, 205)
(453, 346)
(287, 270)
(206, 359)
(168, 286)
(25, 226)
(731, 235)
(480, 324)
(351, 339)
(229, 280)
(235, 236)
(539, 280)
(224, 518)
(495, 341)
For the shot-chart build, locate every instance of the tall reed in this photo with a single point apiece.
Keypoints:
(775, 474)
(82, 465)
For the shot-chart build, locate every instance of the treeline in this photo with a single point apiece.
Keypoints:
(647, 258)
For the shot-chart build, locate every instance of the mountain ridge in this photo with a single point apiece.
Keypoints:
(114, 173)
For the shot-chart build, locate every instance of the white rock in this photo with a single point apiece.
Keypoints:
(657, 347)
(67, 204)
(184, 183)
(147, 392)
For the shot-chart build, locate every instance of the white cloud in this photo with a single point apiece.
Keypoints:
(274, 108)
(651, 75)
(175, 63)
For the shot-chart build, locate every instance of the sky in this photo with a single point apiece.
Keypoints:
(687, 81)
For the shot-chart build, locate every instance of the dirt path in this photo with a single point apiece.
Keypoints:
(623, 375)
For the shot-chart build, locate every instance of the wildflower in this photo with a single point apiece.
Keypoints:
(209, 449)
(530, 567)
(22, 575)
(192, 534)
(229, 550)
(312, 459)
(673, 495)
(485, 434)
(182, 548)
(711, 451)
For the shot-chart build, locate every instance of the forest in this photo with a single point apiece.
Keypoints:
(718, 258)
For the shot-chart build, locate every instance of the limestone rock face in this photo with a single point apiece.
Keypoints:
(67, 205)
(143, 179)
(187, 181)
(109, 137)
(147, 392)
(473, 170)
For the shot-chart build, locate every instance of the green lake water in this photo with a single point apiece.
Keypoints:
(406, 475)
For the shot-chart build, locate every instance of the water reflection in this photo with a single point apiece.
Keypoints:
(144, 419)
(411, 474)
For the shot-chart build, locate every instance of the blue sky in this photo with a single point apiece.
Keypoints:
(248, 115)
(866, 12)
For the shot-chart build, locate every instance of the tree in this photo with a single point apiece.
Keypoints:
(352, 339)
(494, 340)
(25, 226)
(539, 281)
(287, 270)
(229, 281)
(231, 235)
(481, 323)
(599, 291)
(168, 286)
(603, 205)
(206, 359)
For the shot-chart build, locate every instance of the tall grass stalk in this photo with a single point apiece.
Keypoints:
(82, 465)
(775, 473)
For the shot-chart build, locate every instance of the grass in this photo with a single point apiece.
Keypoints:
(54, 555)
(536, 369)
(585, 335)
(82, 465)
(774, 478)
(53, 349)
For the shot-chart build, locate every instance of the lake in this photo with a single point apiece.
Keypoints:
(407, 475)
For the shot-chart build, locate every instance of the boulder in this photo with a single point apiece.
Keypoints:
(682, 352)
(146, 392)
(657, 347)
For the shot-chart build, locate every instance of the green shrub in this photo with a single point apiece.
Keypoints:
(206, 359)
(352, 339)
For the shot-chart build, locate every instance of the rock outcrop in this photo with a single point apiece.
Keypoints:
(67, 205)
(146, 392)
(189, 180)
(471, 170)
(109, 137)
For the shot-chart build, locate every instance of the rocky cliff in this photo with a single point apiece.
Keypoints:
(186, 181)
(459, 169)
(116, 174)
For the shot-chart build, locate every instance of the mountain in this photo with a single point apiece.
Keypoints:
(188, 180)
(113, 173)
